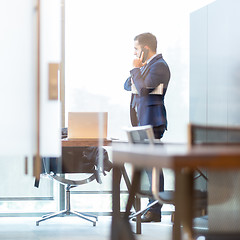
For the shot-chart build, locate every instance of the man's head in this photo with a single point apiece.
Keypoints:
(145, 40)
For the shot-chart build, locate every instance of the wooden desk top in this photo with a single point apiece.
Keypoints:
(177, 155)
(88, 142)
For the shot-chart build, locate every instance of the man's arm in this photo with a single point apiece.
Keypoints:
(156, 74)
(128, 84)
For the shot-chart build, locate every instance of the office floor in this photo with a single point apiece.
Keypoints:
(72, 228)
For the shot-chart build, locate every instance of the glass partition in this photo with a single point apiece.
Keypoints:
(99, 53)
(18, 101)
(18, 79)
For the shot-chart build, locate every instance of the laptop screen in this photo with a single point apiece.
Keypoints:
(87, 125)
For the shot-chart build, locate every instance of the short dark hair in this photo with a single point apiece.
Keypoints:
(147, 39)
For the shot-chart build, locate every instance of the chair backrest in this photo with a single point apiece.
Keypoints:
(210, 135)
(203, 134)
(140, 134)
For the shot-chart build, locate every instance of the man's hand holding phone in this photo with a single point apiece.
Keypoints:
(137, 63)
(141, 61)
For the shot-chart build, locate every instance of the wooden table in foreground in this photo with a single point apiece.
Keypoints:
(183, 160)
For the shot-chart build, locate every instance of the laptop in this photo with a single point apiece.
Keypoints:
(84, 125)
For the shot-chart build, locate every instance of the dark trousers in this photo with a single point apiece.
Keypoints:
(158, 133)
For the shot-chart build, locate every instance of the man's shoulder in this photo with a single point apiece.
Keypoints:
(158, 61)
(158, 57)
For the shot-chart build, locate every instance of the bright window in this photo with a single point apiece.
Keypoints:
(99, 53)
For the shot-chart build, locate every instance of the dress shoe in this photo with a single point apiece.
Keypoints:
(150, 216)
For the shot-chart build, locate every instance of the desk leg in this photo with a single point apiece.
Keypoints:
(138, 220)
(183, 205)
(133, 190)
(121, 228)
(137, 203)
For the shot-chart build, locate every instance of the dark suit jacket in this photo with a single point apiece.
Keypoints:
(151, 109)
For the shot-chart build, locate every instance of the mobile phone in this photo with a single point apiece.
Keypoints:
(145, 54)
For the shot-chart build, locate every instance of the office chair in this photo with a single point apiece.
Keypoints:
(209, 135)
(213, 135)
(199, 134)
(145, 135)
(75, 160)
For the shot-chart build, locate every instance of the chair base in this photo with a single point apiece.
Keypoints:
(69, 212)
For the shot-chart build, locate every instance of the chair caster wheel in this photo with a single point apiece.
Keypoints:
(37, 224)
(94, 224)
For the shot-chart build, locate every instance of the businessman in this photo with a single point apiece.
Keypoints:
(148, 84)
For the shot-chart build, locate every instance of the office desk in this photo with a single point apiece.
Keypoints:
(177, 157)
(88, 142)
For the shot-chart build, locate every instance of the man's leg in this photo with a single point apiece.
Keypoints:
(153, 214)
